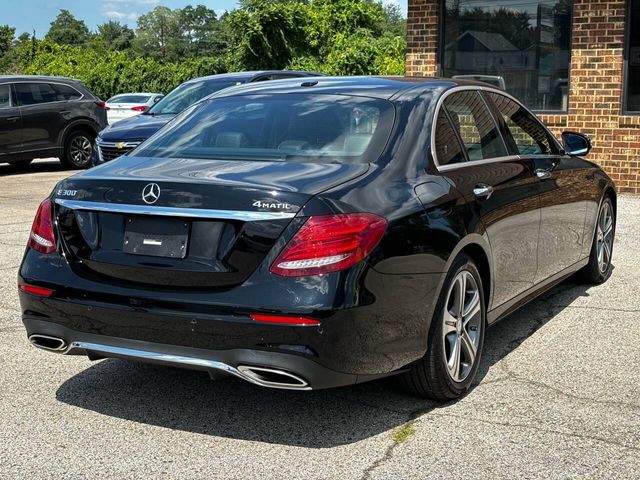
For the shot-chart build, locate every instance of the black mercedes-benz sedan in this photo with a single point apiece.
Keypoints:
(318, 232)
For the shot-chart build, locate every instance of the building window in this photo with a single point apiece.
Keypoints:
(522, 46)
(632, 79)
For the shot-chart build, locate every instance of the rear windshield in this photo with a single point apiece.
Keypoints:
(286, 127)
(186, 95)
(129, 99)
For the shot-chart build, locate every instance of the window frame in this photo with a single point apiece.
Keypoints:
(625, 62)
(491, 107)
(12, 100)
(440, 56)
(23, 82)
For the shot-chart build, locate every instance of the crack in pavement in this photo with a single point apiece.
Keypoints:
(539, 429)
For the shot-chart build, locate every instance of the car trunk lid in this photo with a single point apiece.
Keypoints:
(184, 223)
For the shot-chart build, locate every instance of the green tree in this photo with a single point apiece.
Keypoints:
(159, 34)
(113, 35)
(7, 35)
(266, 34)
(67, 30)
(201, 31)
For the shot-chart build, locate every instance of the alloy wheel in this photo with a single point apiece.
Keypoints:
(604, 237)
(80, 150)
(462, 324)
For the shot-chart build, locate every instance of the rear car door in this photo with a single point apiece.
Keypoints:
(500, 188)
(562, 189)
(10, 125)
(44, 113)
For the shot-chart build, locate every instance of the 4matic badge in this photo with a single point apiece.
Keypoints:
(271, 205)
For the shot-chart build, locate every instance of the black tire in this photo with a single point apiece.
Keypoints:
(78, 150)
(430, 377)
(597, 272)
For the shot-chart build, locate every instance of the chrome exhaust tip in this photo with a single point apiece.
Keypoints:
(45, 342)
(273, 378)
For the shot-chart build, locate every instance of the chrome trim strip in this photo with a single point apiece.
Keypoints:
(470, 163)
(145, 355)
(243, 215)
(101, 143)
(456, 166)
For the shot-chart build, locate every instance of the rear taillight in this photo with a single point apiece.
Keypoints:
(101, 103)
(41, 238)
(139, 108)
(330, 243)
(39, 291)
(285, 320)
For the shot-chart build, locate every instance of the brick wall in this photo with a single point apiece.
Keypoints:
(595, 95)
(422, 37)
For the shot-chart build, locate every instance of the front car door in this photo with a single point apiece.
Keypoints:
(562, 190)
(500, 188)
(10, 125)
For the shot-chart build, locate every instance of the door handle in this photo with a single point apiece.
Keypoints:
(64, 112)
(543, 174)
(13, 119)
(482, 191)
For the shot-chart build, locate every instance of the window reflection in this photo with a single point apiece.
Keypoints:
(519, 45)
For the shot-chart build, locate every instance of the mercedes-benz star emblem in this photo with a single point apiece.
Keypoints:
(151, 193)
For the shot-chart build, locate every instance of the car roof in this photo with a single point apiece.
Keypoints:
(369, 86)
(251, 74)
(22, 78)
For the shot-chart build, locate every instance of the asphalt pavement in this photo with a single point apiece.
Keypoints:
(557, 396)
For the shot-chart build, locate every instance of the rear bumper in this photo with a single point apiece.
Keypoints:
(372, 324)
(266, 369)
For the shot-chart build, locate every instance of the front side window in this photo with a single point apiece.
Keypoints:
(34, 93)
(633, 58)
(291, 127)
(522, 46)
(529, 137)
(5, 96)
(475, 125)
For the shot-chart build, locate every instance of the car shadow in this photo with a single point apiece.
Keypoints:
(188, 401)
(38, 166)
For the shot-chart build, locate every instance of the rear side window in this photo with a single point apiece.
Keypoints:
(529, 137)
(475, 125)
(34, 93)
(65, 92)
(5, 96)
(448, 149)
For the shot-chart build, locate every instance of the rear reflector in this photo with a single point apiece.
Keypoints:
(41, 238)
(139, 108)
(284, 320)
(330, 243)
(41, 292)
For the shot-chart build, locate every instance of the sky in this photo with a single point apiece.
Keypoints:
(29, 15)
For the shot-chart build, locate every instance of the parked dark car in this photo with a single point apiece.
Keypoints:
(121, 138)
(311, 234)
(48, 117)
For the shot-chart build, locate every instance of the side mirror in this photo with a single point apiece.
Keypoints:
(576, 144)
